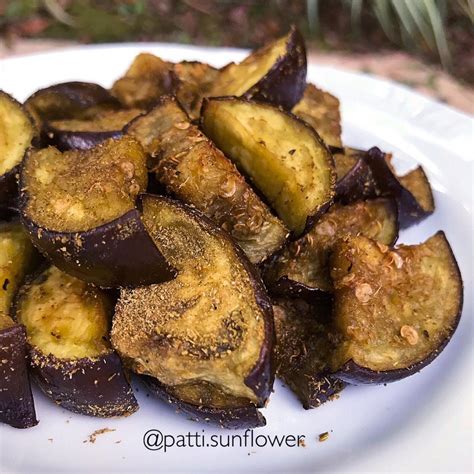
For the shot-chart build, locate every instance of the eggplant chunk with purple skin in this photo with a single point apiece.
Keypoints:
(17, 257)
(212, 323)
(302, 267)
(321, 110)
(146, 80)
(206, 403)
(192, 169)
(412, 192)
(79, 209)
(16, 134)
(67, 324)
(283, 157)
(303, 351)
(275, 73)
(394, 309)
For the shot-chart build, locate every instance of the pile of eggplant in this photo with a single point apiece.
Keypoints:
(206, 229)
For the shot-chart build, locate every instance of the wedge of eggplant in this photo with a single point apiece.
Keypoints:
(17, 407)
(411, 210)
(212, 323)
(82, 134)
(321, 110)
(67, 324)
(302, 267)
(275, 73)
(79, 210)
(146, 80)
(303, 351)
(205, 403)
(69, 100)
(16, 134)
(394, 309)
(283, 156)
(17, 258)
(192, 169)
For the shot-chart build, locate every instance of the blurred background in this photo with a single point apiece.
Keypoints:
(426, 44)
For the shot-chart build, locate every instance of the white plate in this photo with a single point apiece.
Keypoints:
(423, 423)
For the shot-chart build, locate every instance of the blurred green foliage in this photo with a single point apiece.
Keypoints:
(439, 30)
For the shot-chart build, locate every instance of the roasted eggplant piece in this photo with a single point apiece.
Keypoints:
(321, 110)
(195, 82)
(82, 134)
(17, 407)
(410, 209)
(17, 258)
(282, 155)
(275, 73)
(212, 323)
(303, 351)
(79, 209)
(67, 324)
(16, 134)
(69, 100)
(354, 177)
(146, 80)
(192, 169)
(394, 309)
(302, 267)
(203, 402)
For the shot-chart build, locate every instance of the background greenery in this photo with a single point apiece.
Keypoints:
(439, 31)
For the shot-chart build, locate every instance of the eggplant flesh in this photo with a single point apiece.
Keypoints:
(282, 156)
(213, 322)
(205, 403)
(302, 267)
(304, 347)
(67, 324)
(16, 135)
(394, 309)
(193, 170)
(275, 73)
(321, 110)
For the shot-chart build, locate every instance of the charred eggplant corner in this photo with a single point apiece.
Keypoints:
(17, 257)
(303, 351)
(283, 157)
(16, 134)
(203, 402)
(193, 170)
(412, 192)
(395, 309)
(301, 269)
(212, 323)
(79, 209)
(275, 73)
(67, 324)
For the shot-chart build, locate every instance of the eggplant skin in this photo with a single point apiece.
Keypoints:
(357, 184)
(74, 140)
(9, 187)
(17, 407)
(119, 253)
(285, 82)
(230, 418)
(95, 387)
